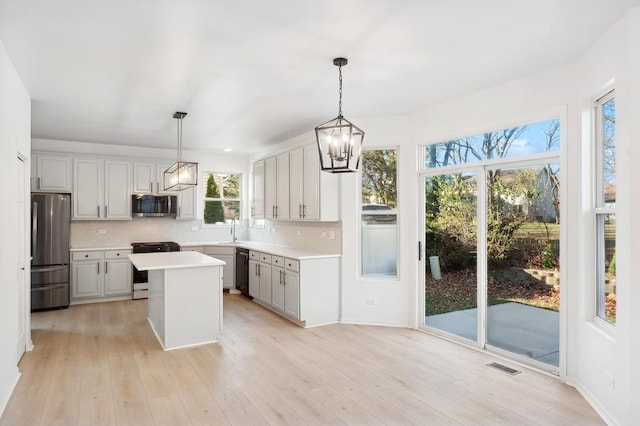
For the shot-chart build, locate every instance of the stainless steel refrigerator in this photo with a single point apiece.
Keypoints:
(50, 215)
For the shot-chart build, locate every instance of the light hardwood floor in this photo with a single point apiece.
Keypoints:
(100, 364)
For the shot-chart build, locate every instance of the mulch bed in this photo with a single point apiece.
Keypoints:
(457, 290)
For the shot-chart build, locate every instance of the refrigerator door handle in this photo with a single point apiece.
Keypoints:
(49, 268)
(34, 228)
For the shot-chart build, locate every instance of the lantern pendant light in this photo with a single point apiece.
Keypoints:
(182, 174)
(339, 140)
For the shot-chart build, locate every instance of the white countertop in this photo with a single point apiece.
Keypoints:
(172, 260)
(73, 249)
(275, 249)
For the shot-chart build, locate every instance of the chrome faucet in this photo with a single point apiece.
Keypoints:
(233, 229)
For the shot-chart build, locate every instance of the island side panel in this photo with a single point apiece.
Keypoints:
(320, 291)
(156, 301)
(193, 306)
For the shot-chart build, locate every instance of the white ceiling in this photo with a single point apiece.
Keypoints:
(251, 73)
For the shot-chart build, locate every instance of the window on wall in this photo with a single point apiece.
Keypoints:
(222, 198)
(379, 214)
(605, 207)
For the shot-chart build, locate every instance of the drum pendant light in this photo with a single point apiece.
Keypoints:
(182, 174)
(339, 140)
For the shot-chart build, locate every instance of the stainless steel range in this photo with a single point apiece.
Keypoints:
(140, 278)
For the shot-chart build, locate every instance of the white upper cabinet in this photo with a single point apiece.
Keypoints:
(270, 188)
(282, 186)
(187, 203)
(313, 195)
(257, 206)
(101, 189)
(88, 183)
(276, 187)
(144, 178)
(148, 178)
(51, 173)
(117, 190)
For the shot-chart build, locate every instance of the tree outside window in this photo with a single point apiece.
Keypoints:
(379, 229)
(222, 198)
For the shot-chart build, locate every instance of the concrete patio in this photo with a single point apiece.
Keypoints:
(522, 329)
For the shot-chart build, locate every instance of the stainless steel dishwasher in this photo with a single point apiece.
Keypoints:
(242, 270)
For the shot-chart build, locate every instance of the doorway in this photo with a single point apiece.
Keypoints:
(22, 283)
(492, 245)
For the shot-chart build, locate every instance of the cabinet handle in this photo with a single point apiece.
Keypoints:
(98, 211)
(276, 207)
(179, 210)
(105, 211)
(300, 210)
(106, 268)
(150, 186)
(158, 187)
(38, 182)
(98, 267)
(304, 211)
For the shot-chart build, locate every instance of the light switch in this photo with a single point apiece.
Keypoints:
(102, 231)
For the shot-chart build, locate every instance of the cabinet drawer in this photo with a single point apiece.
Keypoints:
(116, 254)
(292, 265)
(86, 255)
(255, 255)
(266, 258)
(277, 261)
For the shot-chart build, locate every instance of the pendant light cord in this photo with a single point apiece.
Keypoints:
(340, 91)
(179, 139)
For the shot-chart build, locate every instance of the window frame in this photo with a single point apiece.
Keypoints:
(600, 209)
(396, 213)
(221, 198)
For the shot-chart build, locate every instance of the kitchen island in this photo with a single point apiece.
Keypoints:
(185, 296)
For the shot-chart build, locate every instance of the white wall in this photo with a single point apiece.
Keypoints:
(15, 131)
(603, 351)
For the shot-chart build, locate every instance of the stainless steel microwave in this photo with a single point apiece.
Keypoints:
(154, 205)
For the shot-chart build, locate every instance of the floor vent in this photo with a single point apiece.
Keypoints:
(504, 368)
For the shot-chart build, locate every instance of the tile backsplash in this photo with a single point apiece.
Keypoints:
(321, 237)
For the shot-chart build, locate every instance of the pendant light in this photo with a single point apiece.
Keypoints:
(182, 174)
(339, 140)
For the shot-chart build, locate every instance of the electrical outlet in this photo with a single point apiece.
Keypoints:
(332, 235)
(102, 231)
(324, 234)
(194, 228)
(371, 301)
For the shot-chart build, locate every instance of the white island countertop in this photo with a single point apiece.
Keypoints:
(172, 260)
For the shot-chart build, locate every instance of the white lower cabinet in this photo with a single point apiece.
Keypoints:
(228, 255)
(291, 286)
(254, 278)
(277, 284)
(260, 276)
(306, 291)
(117, 273)
(100, 273)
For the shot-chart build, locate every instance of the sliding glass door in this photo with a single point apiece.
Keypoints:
(451, 289)
(492, 241)
(523, 246)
